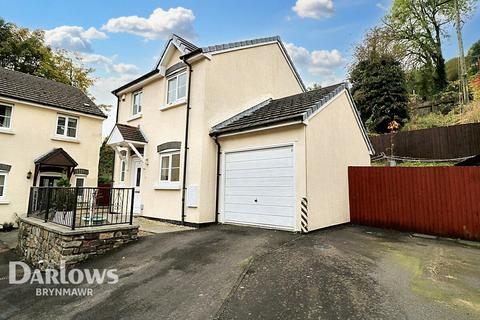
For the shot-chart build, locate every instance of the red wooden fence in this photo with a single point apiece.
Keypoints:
(443, 201)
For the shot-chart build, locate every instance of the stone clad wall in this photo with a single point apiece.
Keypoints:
(43, 245)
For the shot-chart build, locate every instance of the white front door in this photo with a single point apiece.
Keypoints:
(136, 183)
(259, 188)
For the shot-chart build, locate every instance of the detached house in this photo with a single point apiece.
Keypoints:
(48, 130)
(229, 134)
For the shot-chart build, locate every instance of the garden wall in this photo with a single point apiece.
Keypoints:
(43, 245)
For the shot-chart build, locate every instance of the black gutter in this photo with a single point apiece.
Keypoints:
(293, 120)
(191, 54)
(185, 152)
(135, 81)
(217, 187)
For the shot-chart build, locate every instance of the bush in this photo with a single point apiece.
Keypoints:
(7, 226)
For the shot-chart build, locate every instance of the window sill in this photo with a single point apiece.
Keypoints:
(173, 104)
(6, 131)
(168, 186)
(4, 202)
(135, 117)
(65, 139)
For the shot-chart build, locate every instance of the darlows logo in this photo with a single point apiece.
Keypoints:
(60, 277)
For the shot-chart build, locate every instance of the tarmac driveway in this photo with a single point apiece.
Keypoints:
(228, 272)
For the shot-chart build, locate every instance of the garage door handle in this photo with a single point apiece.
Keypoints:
(256, 200)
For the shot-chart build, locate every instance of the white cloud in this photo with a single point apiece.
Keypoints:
(108, 64)
(323, 64)
(315, 59)
(73, 38)
(315, 9)
(325, 58)
(159, 25)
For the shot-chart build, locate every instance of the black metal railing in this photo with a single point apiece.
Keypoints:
(81, 207)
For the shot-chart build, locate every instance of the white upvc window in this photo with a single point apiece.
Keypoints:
(3, 186)
(123, 169)
(177, 88)
(67, 126)
(5, 116)
(137, 103)
(170, 167)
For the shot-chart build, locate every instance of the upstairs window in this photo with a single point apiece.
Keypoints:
(67, 126)
(177, 88)
(137, 103)
(5, 116)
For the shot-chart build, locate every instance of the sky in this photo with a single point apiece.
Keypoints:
(122, 39)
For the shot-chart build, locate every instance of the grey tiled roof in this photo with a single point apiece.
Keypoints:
(22, 86)
(271, 112)
(131, 133)
(238, 44)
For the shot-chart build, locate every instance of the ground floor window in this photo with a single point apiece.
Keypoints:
(170, 167)
(3, 185)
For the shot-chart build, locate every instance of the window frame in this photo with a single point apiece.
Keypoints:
(12, 108)
(169, 183)
(177, 100)
(139, 107)
(123, 171)
(3, 196)
(65, 130)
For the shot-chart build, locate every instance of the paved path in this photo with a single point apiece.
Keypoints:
(230, 272)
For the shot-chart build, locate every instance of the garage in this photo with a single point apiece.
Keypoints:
(283, 163)
(259, 187)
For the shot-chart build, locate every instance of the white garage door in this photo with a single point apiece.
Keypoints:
(259, 188)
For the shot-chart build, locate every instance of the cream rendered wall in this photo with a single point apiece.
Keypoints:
(160, 126)
(334, 141)
(33, 128)
(222, 86)
(293, 134)
(234, 81)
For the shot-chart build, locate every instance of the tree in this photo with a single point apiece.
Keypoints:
(105, 164)
(419, 26)
(451, 68)
(25, 51)
(473, 59)
(377, 42)
(314, 86)
(379, 90)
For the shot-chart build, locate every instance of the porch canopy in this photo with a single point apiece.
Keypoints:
(126, 140)
(57, 160)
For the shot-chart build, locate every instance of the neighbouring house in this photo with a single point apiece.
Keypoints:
(48, 130)
(228, 133)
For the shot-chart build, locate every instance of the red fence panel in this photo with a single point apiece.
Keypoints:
(443, 201)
